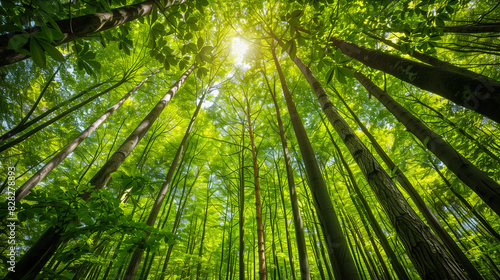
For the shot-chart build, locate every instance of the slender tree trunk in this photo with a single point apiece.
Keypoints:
(200, 252)
(430, 258)
(241, 207)
(136, 258)
(104, 174)
(58, 117)
(477, 180)
(258, 208)
(82, 26)
(431, 219)
(54, 162)
(338, 250)
(33, 261)
(480, 95)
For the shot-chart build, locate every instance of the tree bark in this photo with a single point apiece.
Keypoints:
(434, 61)
(82, 26)
(477, 180)
(480, 95)
(54, 162)
(241, 208)
(104, 174)
(258, 208)
(338, 250)
(430, 258)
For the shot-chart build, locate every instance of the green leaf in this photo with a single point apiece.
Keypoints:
(206, 50)
(329, 75)
(154, 14)
(51, 50)
(200, 43)
(37, 53)
(296, 13)
(338, 55)
(439, 22)
(202, 71)
(18, 41)
(293, 49)
(346, 72)
(106, 5)
(340, 76)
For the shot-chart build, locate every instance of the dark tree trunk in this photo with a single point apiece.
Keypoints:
(480, 95)
(474, 28)
(83, 26)
(258, 206)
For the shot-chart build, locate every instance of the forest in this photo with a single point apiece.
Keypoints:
(281, 139)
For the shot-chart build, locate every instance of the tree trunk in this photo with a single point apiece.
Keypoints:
(480, 95)
(43, 246)
(431, 219)
(200, 252)
(477, 180)
(258, 208)
(82, 26)
(431, 260)
(104, 174)
(241, 207)
(54, 162)
(338, 250)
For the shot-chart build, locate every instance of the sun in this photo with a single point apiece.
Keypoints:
(239, 48)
